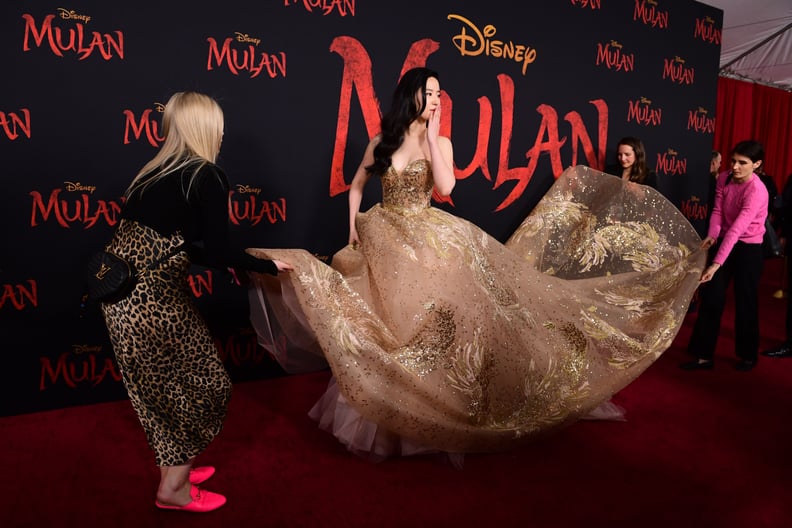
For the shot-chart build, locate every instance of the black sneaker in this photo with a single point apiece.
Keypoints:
(782, 351)
(744, 365)
(697, 364)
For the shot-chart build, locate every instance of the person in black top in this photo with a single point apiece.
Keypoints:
(784, 218)
(631, 166)
(715, 163)
(170, 367)
(772, 189)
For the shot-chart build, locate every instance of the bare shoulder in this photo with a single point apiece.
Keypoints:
(368, 155)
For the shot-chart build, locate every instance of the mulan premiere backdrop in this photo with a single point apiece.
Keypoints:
(529, 89)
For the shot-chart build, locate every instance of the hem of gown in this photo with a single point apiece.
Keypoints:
(365, 438)
(607, 410)
(371, 442)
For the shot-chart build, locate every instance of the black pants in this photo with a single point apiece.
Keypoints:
(788, 266)
(744, 265)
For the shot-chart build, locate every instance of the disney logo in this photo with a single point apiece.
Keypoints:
(244, 37)
(77, 186)
(67, 14)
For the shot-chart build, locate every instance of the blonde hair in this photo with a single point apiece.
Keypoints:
(193, 127)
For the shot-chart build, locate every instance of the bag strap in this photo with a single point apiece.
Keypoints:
(162, 259)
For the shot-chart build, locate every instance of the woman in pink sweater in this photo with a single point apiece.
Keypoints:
(734, 240)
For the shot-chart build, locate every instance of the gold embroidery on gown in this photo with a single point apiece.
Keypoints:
(439, 335)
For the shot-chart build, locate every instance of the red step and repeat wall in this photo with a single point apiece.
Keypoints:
(529, 89)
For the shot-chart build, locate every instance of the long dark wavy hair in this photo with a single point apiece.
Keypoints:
(409, 102)
(639, 170)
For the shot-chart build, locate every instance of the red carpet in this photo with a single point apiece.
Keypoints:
(699, 449)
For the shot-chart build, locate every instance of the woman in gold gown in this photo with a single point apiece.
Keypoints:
(441, 338)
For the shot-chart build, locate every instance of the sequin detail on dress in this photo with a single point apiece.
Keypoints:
(440, 336)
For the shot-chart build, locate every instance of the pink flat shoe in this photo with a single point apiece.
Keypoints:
(202, 501)
(201, 474)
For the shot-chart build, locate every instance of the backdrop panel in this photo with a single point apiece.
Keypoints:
(528, 91)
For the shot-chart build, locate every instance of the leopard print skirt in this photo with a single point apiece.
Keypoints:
(168, 360)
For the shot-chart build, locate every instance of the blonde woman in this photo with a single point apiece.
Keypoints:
(176, 210)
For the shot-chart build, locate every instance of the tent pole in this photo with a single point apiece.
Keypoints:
(757, 46)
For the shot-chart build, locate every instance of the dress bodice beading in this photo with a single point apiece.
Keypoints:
(408, 191)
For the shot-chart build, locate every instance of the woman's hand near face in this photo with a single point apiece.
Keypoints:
(433, 127)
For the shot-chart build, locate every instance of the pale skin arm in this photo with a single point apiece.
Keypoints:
(709, 272)
(283, 266)
(362, 177)
(442, 153)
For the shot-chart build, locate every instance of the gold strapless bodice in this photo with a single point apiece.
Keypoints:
(408, 191)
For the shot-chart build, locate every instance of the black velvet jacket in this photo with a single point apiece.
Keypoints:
(201, 217)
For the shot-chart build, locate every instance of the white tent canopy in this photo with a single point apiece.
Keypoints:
(757, 40)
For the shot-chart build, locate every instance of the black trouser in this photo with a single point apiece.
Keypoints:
(788, 266)
(744, 265)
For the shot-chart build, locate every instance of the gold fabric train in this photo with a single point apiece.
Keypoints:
(439, 335)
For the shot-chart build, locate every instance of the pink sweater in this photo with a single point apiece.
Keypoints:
(738, 214)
